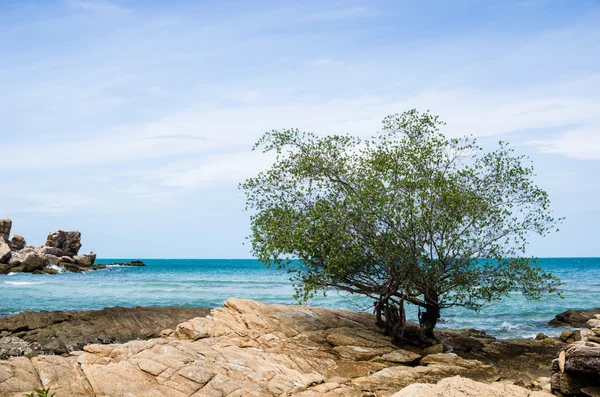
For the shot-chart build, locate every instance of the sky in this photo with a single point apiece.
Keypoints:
(133, 121)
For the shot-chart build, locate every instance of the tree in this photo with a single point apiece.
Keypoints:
(408, 216)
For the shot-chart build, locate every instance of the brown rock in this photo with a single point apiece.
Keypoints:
(583, 359)
(449, 359)
(5, 252)
(60, 332)
(5, 226)
(66, 242)
(245, 348)
(463, 387)
(17, 243)
(32, 262)
(435, 349)
(574, 318)
(86, 260)
(570, 335)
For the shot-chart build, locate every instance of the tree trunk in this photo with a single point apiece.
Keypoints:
(429, 318)
(392, 319)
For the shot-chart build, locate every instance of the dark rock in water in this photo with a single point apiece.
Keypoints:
(132, 263)
(61, 332)
(574, 318)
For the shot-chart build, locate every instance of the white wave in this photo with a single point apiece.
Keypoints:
(11, 274)
(24, 282)
(56, 267)
(506, 326)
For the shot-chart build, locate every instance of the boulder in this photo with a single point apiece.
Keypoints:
(32, 262)
(11, 346)
(85, 259)
(574, 318)
(69, 242)
(571, 382)
(17, 243)
(458, 386)
(570, 335)
(435, 349)
(5, 252)
(584, 359)
(5, 226)
(53, 251)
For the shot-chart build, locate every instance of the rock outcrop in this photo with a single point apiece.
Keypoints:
(60, 252)
(574, 318)
(463, 387)
(5, 227)
(245, 348)
(63, 332)
(577, 368)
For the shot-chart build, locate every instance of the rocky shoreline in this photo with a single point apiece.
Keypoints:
(248, 348)
(59, 253)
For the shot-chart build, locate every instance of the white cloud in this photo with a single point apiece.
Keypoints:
(580, 144)
(102, 6)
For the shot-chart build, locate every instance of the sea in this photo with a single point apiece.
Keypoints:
(209, 282)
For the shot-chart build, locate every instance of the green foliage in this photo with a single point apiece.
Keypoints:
(406, 216)
(41, 393)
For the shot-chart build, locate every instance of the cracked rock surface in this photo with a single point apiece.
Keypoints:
(246, 348)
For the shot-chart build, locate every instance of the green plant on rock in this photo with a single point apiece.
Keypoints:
(41, 393)
(406, 217)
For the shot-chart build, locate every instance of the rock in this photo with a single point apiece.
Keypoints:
(60, 332)
(32, 262)
(68, 242)
(549, 341)
(85, 259)
(132, 263)
(449, 359)
(462, 387)
(399, 357)
(51, 259)
(5, 226)
(435, 349)
(11, 346)
(560, 362)
(574, 318)
(571, 383)
(244, 348)
(582, 359)
(541, 336)
(17, 243)
(5, 252)
(53, 251)
(591, 391)
(570, 335)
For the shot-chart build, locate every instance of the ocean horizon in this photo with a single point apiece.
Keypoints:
(209, 282)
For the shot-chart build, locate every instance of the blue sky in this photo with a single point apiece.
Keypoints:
(132, 121)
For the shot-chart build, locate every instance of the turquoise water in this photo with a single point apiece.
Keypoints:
(208, 282)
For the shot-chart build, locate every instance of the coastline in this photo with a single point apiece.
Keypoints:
(305, 340)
